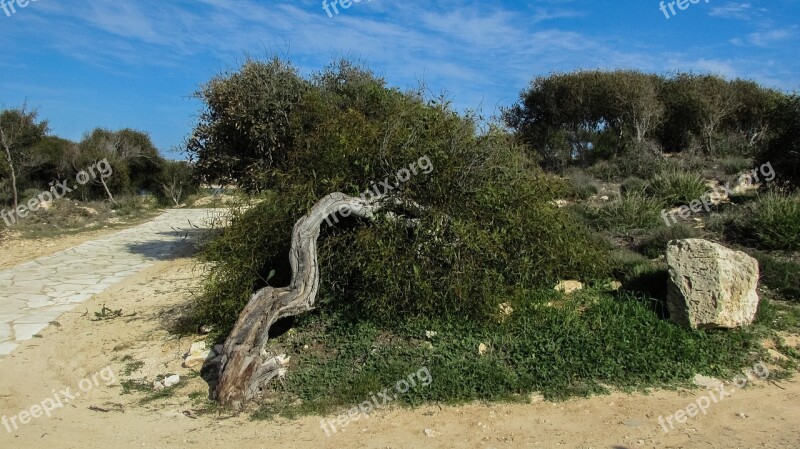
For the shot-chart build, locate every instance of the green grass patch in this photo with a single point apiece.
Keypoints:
(627, 213)
(675, 188)
(559, 346)
(771, 222)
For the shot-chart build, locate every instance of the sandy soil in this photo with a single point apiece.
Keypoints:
(73, 351)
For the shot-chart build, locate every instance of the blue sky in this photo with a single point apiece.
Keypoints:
(116, 64)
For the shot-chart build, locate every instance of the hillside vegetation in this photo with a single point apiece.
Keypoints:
(574, 188)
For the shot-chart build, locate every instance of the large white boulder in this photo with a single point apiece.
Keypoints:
(710, 286)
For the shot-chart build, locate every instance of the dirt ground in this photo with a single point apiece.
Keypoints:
(76, 350)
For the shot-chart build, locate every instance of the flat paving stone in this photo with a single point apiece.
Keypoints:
(7, 347)
(35, 293)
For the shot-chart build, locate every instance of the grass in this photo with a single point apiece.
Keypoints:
(632, 211)
(779, 274)
(675, 188)
(655, 243)
(560, 346)
(582, 185)
(68, 217)
(770, 222)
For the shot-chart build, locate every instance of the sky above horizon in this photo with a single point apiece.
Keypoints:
(124, 64)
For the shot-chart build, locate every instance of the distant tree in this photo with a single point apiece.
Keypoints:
(178, 181)
(19, 131)
(782, 150)
(134, 158)
(244, 132)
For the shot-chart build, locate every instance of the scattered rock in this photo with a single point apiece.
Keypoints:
(482, 349)
(560, 203)
(89, 211)
(430, 334)
(568, 287)
(604, 198)
(710, 286)
(429, 433)
(506, 310)
(167, 382)
(741, 415)
(197, 355)
(615, 286)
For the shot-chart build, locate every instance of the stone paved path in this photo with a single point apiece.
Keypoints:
(34, 294)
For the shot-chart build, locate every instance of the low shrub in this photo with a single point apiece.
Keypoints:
(633, 185)
(627, 213)
(655, 243)
(771, 222)
(734, 165)
(582, 184)
(676, 188)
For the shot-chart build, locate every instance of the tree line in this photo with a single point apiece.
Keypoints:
(583, 117)
(32, 159)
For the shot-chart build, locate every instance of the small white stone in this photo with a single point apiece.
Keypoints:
(171, 381)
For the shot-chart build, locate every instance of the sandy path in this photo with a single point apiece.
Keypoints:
(36, 293)
(77, 348)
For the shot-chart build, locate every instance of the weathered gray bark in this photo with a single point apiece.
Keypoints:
(245, 367)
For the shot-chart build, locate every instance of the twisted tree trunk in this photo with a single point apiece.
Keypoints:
(245, 367)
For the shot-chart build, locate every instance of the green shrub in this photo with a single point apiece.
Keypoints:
(655, 244)
(627, 213)
(770, 222)
(781, 275)
(675, 188)
(583, 185)
(734, 165)
(633, 185)
(783, 148)
(487, 227)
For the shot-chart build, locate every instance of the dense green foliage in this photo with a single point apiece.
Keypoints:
(486, 228)
(39, 159)
(554, 345)
(783, 149)
(771, 222)
(487, 238)
(584, 117)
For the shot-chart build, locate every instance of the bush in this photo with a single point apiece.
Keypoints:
(487, 228)
(781, 275)
(583, 185)
(633, 185)
(783, 149)
(675, 188)
(770, 222)
(627, 213)
(735, 165)
(655, 244)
